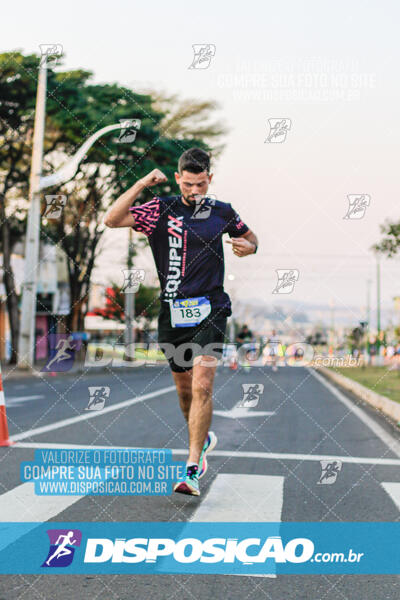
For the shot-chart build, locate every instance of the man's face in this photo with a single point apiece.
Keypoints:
(192, 184)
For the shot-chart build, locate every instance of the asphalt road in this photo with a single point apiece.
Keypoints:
(306, 420)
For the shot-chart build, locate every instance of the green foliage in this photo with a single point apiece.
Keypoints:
(147, 304)
(390, 244)
(75, 109)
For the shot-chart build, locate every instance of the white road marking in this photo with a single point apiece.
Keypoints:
(241, 413)
(90, 414)
(239, 498)
(22, 505)
(395, 462)
(19, 399)
(393, 489)
(377, 429)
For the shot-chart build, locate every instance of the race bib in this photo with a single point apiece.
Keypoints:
(189, 311)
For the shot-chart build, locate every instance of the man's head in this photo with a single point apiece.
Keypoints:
(245, 328)
(193, 176)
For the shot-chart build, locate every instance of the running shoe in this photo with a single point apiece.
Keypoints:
(209, 444)
(190, 485)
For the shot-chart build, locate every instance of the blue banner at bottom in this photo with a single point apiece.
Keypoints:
(200, 548)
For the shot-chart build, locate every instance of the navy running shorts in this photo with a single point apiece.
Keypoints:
(181, 345)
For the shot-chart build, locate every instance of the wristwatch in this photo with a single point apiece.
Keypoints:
(255, 246)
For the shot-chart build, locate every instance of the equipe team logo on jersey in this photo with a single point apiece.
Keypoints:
(203, 53)
(286, 280)
(63, 543)
(278, 129)
(358, 204)
(176, 264)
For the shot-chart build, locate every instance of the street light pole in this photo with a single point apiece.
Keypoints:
(378, 300)
(26, 353)
(26, 350)
(129, 333)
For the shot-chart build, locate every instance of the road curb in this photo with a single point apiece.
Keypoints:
(389, 407)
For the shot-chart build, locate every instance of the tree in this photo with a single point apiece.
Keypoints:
(390, 244)
(147, 304)
(17, 101)
(75, 109)
(189, 119)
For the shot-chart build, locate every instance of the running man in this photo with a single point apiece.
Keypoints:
(62, 347)
(62, 549)
(189, 257)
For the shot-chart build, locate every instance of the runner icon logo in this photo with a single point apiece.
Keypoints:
(357, 206)
(286, 280)
(62, 354)
(49, 54)
(55, 205)
(203, 53)
(329, 471)
(98, 396)
(62, 547)
(251, 394)
(203, 206)
(278, 129)
(128, 130)
(132, 280)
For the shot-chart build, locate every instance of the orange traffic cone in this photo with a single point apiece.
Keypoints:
(4, 438)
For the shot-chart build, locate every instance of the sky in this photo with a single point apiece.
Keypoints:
(329, 69)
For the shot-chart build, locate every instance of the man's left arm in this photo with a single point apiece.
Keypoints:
(245, 244)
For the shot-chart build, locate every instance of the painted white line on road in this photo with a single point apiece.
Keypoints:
(17, 399)
(90, 414)
(377, 429)
(238, 498)
(242, 413)
(393, 489)
(22, 505)
(360, 460)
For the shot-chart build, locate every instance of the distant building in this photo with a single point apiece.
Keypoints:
(53, 298)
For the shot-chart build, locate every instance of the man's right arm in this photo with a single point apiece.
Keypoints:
(119, 215)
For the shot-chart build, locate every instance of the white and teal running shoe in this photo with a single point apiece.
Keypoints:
(209, 444)
(190, 485)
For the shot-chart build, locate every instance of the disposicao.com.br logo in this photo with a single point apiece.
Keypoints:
(201, 547)
(247, 551)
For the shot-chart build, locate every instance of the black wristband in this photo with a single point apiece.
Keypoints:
(255, 246)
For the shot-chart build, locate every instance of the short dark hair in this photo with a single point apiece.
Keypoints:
(194, 160)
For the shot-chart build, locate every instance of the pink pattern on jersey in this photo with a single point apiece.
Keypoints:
(146, 216)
